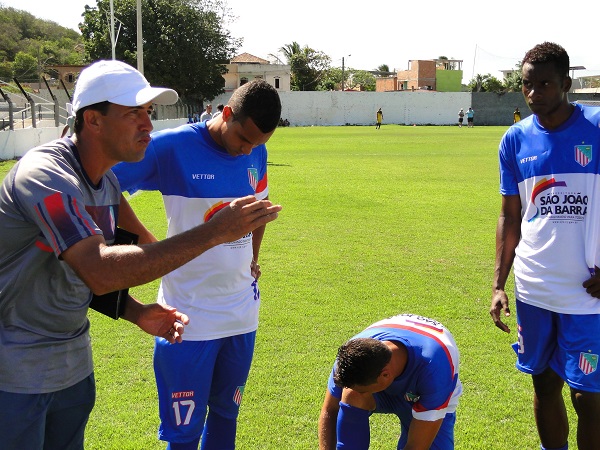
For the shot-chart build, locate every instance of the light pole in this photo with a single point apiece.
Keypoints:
(112, 29)
(140, 40)
(343, 73)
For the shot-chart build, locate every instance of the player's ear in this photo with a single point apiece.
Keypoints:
(227, 113)
(567, 82)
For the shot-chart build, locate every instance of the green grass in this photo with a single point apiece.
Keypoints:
(374, 223)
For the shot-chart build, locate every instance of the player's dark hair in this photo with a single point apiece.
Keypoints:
(360, 361)
(549, 52)
(102, 107)
(259, 101)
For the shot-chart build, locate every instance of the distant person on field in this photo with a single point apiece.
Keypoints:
(548, 234)
(461, 115)
(379, 119)
(220, 107)
(516, 115)
(59, 209)
(206, 115)
(470, 116)
(200, 169)
(406, 365)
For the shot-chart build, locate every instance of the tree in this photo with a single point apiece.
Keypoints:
(289, 50)
(383, 68)
(186, 45)
(514, 80)
(6, 70)
(363, 80)
(485, 83)
(331, 80)
(593, 82)
(42, 39)
(308, 66)
(25, 66)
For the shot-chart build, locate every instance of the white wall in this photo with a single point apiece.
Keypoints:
(306, 109)
(359, 108)
(14, 144)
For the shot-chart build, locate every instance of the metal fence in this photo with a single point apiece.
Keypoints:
(49, 107)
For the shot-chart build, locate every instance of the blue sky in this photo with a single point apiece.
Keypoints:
(391, 33)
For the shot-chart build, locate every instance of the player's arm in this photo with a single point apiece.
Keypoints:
(257, 238)
(327, 422)
(130, 222)
(421, 434)
(352, 427)
(343, 423)
(106, 269)
(508, 233)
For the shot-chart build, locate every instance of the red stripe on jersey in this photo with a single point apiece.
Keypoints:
(262, 184)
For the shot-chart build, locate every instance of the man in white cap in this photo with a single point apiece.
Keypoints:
(59, 207)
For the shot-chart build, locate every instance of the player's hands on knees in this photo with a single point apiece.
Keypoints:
(499, 305)
(242, 216)
(592, 284)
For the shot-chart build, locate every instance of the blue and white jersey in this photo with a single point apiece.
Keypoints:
(555, 173)
(197, 178)
(429, 386)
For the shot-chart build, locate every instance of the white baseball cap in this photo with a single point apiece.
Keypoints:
(119, 83)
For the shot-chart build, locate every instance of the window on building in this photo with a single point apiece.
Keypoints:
(70, 78)
(243, 81)
(276, 83)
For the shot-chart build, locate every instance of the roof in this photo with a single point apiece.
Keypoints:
(247, 58)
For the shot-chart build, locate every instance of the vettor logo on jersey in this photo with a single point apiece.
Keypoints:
(588, 362)
(583, 154)
(253, 177)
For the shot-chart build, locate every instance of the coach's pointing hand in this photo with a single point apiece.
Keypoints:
(242, 216)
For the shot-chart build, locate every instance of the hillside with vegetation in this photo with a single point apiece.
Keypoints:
(29, 46)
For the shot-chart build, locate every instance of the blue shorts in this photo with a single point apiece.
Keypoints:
(53, 421)
(195, 376)
(567, 343)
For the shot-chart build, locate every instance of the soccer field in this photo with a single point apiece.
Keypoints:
(374, 223)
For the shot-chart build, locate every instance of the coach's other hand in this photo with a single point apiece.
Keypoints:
(156, 319)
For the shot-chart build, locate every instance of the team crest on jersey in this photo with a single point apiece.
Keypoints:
(583, 154)
(237, 395)
(588, 362)
(253, 177)
(412, 398)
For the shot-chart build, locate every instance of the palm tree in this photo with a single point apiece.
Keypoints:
(289, 50)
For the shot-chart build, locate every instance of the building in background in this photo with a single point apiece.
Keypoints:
(246, 67)
(442, 75)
